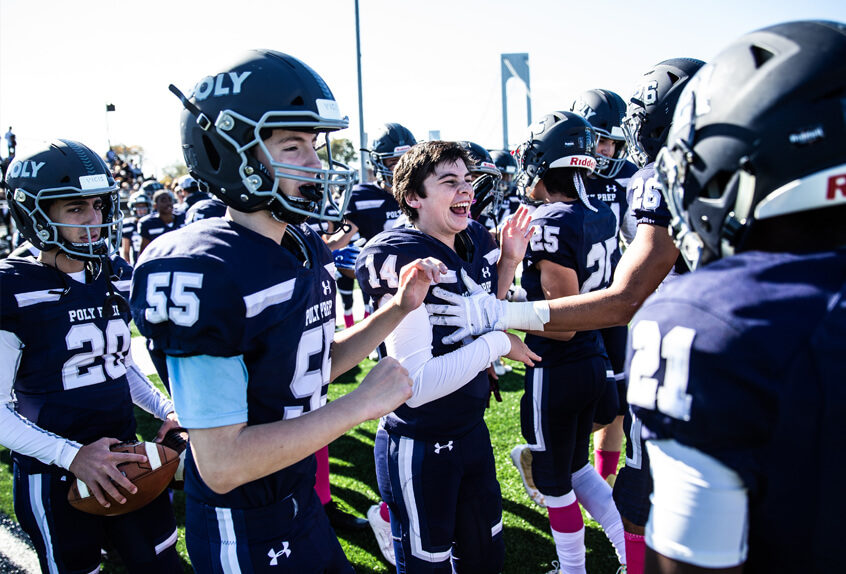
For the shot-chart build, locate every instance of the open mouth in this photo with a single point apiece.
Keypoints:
(461, 208)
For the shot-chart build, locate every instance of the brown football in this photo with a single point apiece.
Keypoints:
(151, 478)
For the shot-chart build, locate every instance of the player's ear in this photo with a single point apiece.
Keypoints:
(413, 200)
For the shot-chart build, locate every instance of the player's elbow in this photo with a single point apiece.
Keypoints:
(220, 478)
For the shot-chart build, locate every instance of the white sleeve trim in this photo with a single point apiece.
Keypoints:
(699, 507)
(18, 433)
(435, 377)
(144, 393)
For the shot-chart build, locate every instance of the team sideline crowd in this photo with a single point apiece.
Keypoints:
(669, 264)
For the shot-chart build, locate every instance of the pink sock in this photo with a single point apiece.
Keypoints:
(383, 512)
(606, 462)
(321, 477)
(565, 518)
(366, 313)
(635, 552)
(348, 320)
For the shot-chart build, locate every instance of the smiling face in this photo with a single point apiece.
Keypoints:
(77, 212)
(445, 209)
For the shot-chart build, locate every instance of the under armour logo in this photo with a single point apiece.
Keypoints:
(327, 287)
(275, 555)
(610, 188)
(486, 272)
(439, 447)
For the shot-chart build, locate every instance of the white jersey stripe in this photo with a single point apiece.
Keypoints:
(35, 297)
(492, 256)
(228, 542)
(537, 394)
(368, 204)
(279, 293)
(406, 454)
(166, 543)
(37, 506)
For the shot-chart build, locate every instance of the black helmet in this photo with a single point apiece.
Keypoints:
(604, 110)
(557, 140)
(392, 141)
(486, 183)
(139, 198)
(228, 115)
(650, 109)
(65, 170)
(758, 133)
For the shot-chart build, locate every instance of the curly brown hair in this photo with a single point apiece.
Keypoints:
(420, 162)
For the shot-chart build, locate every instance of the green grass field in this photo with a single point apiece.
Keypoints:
(529, 546)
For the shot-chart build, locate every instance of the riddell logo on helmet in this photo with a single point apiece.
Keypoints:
(582, 161)
(836, 185)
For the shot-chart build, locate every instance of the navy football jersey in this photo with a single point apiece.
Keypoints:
(744, 360)
(71, 379)
(217, 288)
(646, 201)
(613, 190)
(129, 231)
(571, 235)
(372, 210)
(205, 208)
(377, 271)
(150, 226)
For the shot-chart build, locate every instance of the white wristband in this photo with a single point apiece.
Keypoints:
(528, 316)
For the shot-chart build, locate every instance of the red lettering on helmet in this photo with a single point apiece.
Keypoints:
(582, 162)
(836, 184)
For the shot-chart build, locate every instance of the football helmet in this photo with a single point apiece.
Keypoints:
(604, 110)
(65, 170)
(393, 141)
(137, 199)
(758, 133)
(150, 187)
(487, 192)
(507, 166)
(228, 115)
(650, 109)
(559, 139)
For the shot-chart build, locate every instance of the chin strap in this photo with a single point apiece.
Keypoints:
(580, 189)
(114, 303)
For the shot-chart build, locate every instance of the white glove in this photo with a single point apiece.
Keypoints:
(480, 312)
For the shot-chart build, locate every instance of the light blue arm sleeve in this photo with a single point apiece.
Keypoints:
(208, 391)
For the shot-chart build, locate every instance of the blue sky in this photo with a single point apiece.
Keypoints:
(432, 65)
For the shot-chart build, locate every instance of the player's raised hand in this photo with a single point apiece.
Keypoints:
(96, 466)
(515, 234)
(415, 280)
(521, 352)
(385, 387)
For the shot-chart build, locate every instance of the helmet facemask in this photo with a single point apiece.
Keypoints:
(31, 213)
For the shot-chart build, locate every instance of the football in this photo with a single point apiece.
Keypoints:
(151, 478)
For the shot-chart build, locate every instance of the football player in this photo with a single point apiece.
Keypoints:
(371, 209)
(604, 110)
(570, 252)
(507, 166)
(644, 265)
(737, 369)
(67, 381)
(487, 191)
(243, 308)
(139, 205)
(434, 460)
(163, 219)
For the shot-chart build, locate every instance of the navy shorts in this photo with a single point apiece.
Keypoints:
(292, 536)
(556, 415)
(67, 540)
(445, 502)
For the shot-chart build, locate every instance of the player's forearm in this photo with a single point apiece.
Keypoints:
(228, 457)
(505, 270)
